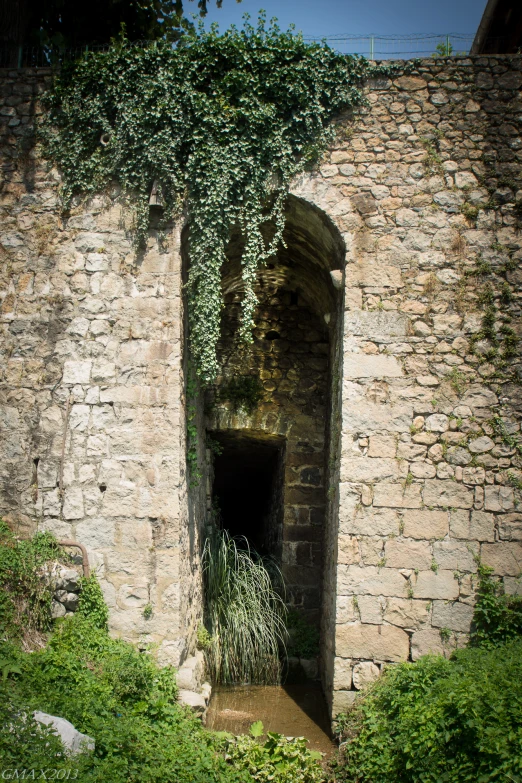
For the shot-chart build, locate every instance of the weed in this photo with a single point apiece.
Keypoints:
(303, 637)
(433, 160)
(457, 381)
(434, 566)
(445, 635)
(427, 720)
(497, 617)
(470, 211)
(514, 480)
(431, 286)
(147, 611)
(244, 612)
(245, 392)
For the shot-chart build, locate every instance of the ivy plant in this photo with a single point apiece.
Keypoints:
(222, 123)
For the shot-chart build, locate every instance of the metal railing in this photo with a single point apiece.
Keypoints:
(375, 47)
(399, 47)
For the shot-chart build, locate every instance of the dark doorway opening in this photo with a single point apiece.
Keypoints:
(248, 488)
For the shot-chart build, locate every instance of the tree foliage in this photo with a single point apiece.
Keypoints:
(66, 23)
(223, 122)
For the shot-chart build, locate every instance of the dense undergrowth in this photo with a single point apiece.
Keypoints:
(433, 721)
(445, 721)
(112, 692)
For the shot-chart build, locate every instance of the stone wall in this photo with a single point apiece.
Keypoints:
(93, 435)
(426, 189)
(423, 470)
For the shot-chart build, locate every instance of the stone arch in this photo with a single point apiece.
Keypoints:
(297, 354)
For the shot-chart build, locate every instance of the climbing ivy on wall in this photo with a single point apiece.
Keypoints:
(223, 123)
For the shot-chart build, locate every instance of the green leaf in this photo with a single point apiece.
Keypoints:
(257, 729)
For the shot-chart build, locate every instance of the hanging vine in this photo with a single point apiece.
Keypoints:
(223, 122)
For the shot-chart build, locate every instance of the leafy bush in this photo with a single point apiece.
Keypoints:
(25, 589)
(278, 758)
(91, 603)
(112, 692)
(115, 694)
(497, 617)
(303, 641)
(244, 614)
(24, 743)
(456, 721)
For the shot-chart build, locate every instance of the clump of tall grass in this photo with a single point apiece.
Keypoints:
(245, 613)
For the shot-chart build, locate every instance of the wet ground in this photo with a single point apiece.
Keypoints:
(292, 710)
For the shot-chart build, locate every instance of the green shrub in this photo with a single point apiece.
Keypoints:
(244, 613)
(278, 758)
(497, 617)
(303, 641)
(456, 721)
(115, 694)
(92, 603)
(25, 590)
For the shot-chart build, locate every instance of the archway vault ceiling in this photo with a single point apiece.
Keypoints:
(313, 248)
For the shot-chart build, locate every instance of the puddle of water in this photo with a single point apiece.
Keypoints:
(292, 710)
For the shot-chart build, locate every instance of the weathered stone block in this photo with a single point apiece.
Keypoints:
(452, 615)
(407, 612)
(97, 533)
(364, 673)
(428, 584)
(73, 503)
(403, 553)
(346, 611)
(447, 494)
(426, 642)
(474, 526)
(397, 495)
(498, 498)
(342, 701)
(348, 550)
(76, 371)
(513, 585)
(377, 642)
(342, 674)
(510, 527)
(454, 555)
(370, 522)
(410, 451)
(361, 365)
(371, 609)
(368, 469)
(370, 580)
(382, 446)
(505, 558)
(377, 323)
(373, 274)
(437, 422)
(481, 445)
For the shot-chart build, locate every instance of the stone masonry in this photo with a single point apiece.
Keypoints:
(422, 470)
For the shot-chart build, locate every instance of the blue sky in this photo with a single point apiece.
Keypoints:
(333, 17)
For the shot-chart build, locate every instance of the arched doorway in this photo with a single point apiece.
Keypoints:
(275, 450)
